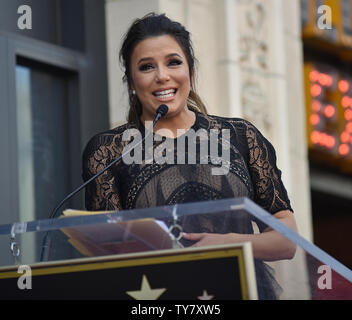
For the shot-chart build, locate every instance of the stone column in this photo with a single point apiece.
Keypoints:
(261, 68)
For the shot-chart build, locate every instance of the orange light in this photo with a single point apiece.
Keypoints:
(343, 86)
(315, 137)
(345, 101)
(348, 114)
(329, 111)
(314, 119)
(321, 138)
(315, 90)
(316, 105)
(344, 149)
(349, 127)
(328, 80)
(344, 137)
(324, 139)
(325, 80)
(313, 75)
(330, 141)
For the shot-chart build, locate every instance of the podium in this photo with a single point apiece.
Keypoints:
(186, 274)
(141, 255)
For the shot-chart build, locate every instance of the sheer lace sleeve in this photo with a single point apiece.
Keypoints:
(102, 193)
(270, 192)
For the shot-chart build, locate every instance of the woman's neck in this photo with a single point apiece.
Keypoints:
(172, 126)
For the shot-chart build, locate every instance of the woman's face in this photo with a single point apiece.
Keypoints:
(160, 75)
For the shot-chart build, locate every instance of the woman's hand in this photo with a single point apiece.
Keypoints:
(269, 245)
(209, 239)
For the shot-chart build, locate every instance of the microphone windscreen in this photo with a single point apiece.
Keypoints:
(162, 109)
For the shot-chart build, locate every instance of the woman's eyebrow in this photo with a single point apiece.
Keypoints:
(144, 59)
(173, 54)
(168, 56)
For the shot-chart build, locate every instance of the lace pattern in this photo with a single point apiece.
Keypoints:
(253, 172)
(270, 191)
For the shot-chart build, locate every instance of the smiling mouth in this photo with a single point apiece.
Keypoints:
(165, 94)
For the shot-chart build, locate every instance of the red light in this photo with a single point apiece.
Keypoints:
(349, 127)
(345, 101)
(343, 86)
(315, 90)
(313, 75)
(348, 114)
(329, 111)
(316, 105)
(344, 149)
(344, 137)
(314, 119)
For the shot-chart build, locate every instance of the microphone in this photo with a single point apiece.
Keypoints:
(160, 112)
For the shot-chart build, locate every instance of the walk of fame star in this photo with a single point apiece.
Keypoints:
(205, 296)
(146, 293)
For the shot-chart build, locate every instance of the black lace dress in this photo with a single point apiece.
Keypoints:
(252, 173)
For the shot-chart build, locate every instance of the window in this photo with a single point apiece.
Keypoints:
(44, 141)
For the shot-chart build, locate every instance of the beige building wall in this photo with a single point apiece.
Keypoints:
(250, 66)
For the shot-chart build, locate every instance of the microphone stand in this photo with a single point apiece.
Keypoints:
(160, 112)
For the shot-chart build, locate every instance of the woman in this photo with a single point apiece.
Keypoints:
(160, 69)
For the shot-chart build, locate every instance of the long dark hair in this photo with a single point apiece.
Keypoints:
(153, 25)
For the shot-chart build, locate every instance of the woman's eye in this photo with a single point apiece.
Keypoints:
(146, 67)
(175, 62)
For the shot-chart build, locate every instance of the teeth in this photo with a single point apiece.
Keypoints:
(169, 92)
(165, 96)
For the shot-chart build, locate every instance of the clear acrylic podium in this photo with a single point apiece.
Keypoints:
(146, 249)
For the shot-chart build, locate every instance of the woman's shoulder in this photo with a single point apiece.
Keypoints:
(239, 124)
(243, 131)
(105, 139)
